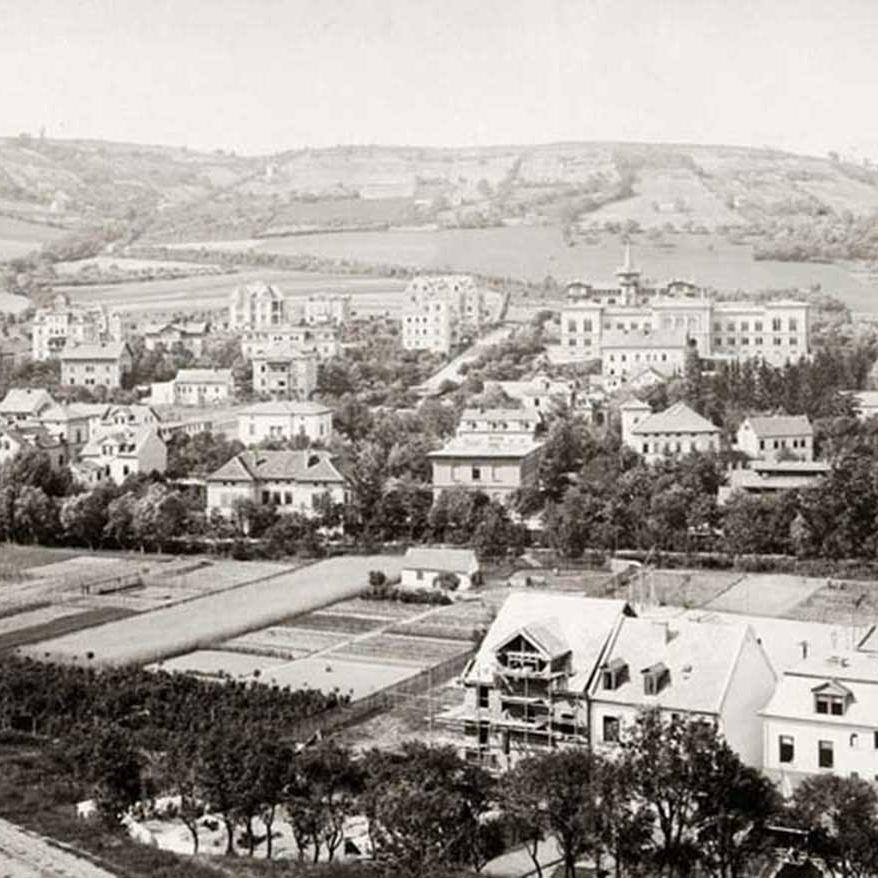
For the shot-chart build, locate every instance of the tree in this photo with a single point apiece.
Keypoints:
(84, 516)
(181, 776)
(842, 815)
(35, 515)
(495, 535)
(220, 756)
(522, 795)
(570, 525)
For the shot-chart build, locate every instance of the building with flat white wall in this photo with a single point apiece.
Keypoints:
(118, 453)
(284, 420)
(677, 431)
(823, 718)
(199, 387)
(61, 325)
(685, 669)
(327, 309)
(776, 437)
(623, 357)
(320, 340)
(190, 336)
(424, 567)
(25, 403)
(539, 393)
(256, 305)
(96, 365)
(284, 374)
(291, 481)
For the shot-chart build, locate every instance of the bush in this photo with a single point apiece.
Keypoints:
(377, 578)
(407, 596)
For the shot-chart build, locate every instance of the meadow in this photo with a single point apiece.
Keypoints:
(531, 253)
(18, 238)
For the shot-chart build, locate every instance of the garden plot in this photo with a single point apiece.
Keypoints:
(840, 602)
(374, 609)
(455, 622)
(31, 618)
(333, 674)
(396, 649)
(218, 663)
(285, 642)
(76, 620)
(766, 594)
(324, 621)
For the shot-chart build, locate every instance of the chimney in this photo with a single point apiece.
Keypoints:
(804, 645)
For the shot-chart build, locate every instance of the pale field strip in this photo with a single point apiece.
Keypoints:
(374, 609)
(414, 652)
(295, 642)
(32, 618)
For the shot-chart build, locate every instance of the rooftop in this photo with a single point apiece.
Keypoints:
(779, 425)
(428, 558)
(299, 466)
(679, 418)
(111, 351)
(25, 400)
(204, 376)
(287, 407)
(475, 445)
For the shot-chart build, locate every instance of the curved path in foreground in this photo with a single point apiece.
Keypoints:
(195, 624)
(24, 854)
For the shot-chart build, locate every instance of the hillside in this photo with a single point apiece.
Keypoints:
(174, 194)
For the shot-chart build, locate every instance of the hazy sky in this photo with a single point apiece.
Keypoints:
(265, 75)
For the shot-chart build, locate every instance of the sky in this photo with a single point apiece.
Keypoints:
(260, 76)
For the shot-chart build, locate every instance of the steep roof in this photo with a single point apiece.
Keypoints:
(299, 466)
(699, 656)
(780, 425)
(434, 558)
(563, 622)
(679, 418)
(286, 407)
(111, 351)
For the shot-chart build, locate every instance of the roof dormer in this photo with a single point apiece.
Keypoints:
(655, 678)
(831, 698)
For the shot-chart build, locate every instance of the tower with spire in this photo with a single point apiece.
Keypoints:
(629, 278)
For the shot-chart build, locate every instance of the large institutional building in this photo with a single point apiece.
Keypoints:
(62, 324)
(632, 326)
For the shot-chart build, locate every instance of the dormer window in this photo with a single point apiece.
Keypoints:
(832, 699)
(614, 674)
(655, 678)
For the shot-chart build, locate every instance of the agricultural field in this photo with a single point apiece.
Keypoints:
(208, 292)
(217, 663)
(530, 253)
(212, 618)
(18, 238)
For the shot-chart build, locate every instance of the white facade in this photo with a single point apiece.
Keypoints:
(284, 420)
(327, 309)
(823, 718)
(253, 306)
(284, 375)
(625, 358)
(95, 365)
(423, 567)
(198, 387)
(674, 432)
(62, 324)
(118, 454)
(778, 437)
(320, 340)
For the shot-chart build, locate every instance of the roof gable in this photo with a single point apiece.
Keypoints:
(679, 418)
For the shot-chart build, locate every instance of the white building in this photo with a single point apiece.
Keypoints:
(19, 436)
(257, 305)
(320, 340)
(284, 374)
(772, 476)
(423, 567)
(677, 431)
(439, 310)
(284, 420)
(624, 358)
(526, 690)
(119, 453)
(61, 325)
(539, 393)
(684, 669)
(96, 365)
(327, 309)
(775, 437)
(190, 336)
(199, 387)
(680, 314)
(823, 717)
(25, 403)
(291, 481)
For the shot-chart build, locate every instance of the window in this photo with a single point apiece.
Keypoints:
(824, 754)
(476, 474)
(759, 341)
(655, 678)
(484, 696)
(831, 704)
(854, 740)
(786, 748)
(484, 729)
(793, 324)
(611, 729)
(776, 324)
(875, 740)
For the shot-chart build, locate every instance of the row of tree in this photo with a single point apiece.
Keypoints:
(672, 799)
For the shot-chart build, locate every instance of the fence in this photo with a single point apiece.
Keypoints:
(339, 718)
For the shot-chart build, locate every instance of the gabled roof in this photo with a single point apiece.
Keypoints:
(437, 558)
(204, 376)
(126, 436)
(35, 435)
(766, 426)
(679, 418)
(522, 414)
(833, 687)
(111, 351)
(299, 466)
(699, 656)
(581, 624)
(25, 400)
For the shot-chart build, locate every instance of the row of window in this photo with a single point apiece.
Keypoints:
(825, 749)
(744, 341)
(782, 443)
(648, 358)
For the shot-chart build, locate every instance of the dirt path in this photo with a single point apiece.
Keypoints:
(24, 854)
